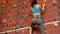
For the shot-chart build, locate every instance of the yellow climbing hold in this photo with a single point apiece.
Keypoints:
(15, 5)
(45, 31)
(13, 27)
(55, 24)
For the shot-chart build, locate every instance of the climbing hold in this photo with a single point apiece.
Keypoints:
(14, 27)
(3, 5)
(4, 12)
(14, 6)
(10, 21)
(4, 1)
(59, 12)
(6, 33)
(59, 7)
(5, 25)
(55, 24)
(25, 20)
(10, 28)
(4, 20)
(17, 26)
(13, 23)
(54, 2)
(23, 2)
(17, 12)
(21, 17)
(30, 15)
(55, 19)
(0, 14)
(21, 26)
(45, 31)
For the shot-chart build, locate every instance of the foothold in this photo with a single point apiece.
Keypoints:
(0, 14)
(4, 1)
(25, 20)
(59, 12)
(30, 15)
(14, 27)
(17, 26)
(55, 24)
(21, 17)
(3, 5)
(45, 31)
(17, 12)
(23, 2)
(54, 2)
(4, 20)
(4, 12)
(6, 33)
(59, 7)
(5, 25)
(21, 26)
(14, 6)
(55, 20)
(10, 21)
(10, 28)
(13, 23)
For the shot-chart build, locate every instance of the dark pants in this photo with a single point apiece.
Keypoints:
(38, 21)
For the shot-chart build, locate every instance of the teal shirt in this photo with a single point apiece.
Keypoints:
(35, 10)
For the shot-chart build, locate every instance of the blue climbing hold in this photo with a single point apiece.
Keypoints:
(17, 26)
(21, 17)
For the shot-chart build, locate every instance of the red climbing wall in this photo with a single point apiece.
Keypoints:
(50, 15)
(14, 13)
(17, 13)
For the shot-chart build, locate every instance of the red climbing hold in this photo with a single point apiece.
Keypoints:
(13, 23)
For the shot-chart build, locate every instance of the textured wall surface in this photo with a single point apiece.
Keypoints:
(17, 13)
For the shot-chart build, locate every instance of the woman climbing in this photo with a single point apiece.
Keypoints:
(36, 20)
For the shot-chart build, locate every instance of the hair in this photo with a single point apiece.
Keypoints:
(33, 3)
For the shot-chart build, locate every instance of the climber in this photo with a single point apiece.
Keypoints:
(36, 20)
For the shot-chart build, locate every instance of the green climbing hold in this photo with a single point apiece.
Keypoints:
(3, 6)
(4, 12)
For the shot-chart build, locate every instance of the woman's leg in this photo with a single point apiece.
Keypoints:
(41, 26)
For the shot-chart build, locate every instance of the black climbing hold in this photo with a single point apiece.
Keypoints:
(59, 7)
(21, 17)
(54, 4)
(5, 25)
(30, 15)
(21, 26)
(54, 19)
(25, 20)
(6, 33)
